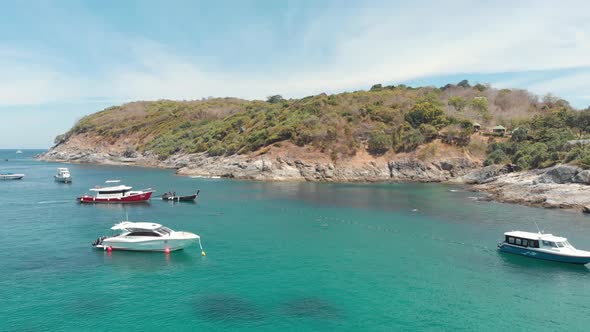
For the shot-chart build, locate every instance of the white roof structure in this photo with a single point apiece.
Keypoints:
(62, 169)
(536, 236)
(115, 188)
(127, 225)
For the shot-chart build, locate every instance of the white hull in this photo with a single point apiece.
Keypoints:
(63, 179)
(11, 176)
(149, 243)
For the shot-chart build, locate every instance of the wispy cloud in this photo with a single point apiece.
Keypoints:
(332, 51)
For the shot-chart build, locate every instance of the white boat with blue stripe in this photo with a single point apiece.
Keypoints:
(543, 246)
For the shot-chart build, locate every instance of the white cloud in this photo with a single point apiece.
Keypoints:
(391, 43)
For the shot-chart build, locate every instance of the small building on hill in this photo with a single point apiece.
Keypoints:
(579, 142)
(476, 127)
(499, 130)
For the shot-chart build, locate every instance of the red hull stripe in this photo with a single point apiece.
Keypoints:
(128, 199)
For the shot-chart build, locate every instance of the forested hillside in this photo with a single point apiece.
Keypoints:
(383, 120)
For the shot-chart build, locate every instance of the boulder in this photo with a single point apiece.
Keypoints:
(582, 177)
(488, 173)
(559, 174)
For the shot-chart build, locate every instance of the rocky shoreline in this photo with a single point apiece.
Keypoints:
(561, 186)
(279, 168)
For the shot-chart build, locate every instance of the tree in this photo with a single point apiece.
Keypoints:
(582, 121)
(503, 99)
(379, 142)
(480, 87)
(496, 157)
(480, 104)
(411, 139)
(377, 87)
(457, 103)
(59, 139)
(428, 131)
(464, 84)
(519, 134)
(426, 113)
(275, 99)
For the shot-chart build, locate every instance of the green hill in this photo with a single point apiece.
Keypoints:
(382, 120)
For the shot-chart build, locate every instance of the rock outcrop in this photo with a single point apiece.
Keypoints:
(582, 177)
(277, 167)
(555, 187)
(487, 174)
(559, 174)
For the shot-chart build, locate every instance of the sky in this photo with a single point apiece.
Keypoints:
(61, 60)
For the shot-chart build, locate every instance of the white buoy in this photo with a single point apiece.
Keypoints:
(202, 251)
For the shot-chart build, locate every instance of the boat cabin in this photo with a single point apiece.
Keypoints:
(116, 191)
(535, 240)
(142, 229)
(63, 172)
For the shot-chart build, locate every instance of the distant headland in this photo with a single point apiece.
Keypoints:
(499, 139)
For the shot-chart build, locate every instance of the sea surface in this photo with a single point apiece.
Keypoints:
(280, 257)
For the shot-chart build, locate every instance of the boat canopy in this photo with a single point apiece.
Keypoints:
(536, 236)
(62, 169)
(116, 188)
(128, 225)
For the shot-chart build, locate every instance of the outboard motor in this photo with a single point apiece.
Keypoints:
(98, 241)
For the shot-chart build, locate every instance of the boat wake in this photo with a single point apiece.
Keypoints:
(55, 202)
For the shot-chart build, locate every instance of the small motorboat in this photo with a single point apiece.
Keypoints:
(543, 246)
(63, 175)
(116, 194)
(146, 236)
(11, 176)
(173, 198)
(19, 152)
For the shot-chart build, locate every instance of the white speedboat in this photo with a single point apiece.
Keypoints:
(19, 152)
(11, 176)
(146, 236)
(63, 175)
(543, 246)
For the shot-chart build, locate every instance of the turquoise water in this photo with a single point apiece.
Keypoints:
(280, 256)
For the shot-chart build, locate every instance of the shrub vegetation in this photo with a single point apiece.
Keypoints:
(383, 119)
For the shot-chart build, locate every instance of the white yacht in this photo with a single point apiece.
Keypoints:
(116, 194)
(543, 246)
(146, 236)
(63, 175)
(11, 176)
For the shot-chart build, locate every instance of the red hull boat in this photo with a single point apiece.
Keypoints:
(116, 194)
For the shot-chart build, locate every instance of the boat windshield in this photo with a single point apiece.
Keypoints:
(164, 230)
(550, 244)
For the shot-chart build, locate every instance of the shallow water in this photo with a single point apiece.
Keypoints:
(280, 256)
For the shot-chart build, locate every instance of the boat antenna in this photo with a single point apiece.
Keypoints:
(538, 230)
